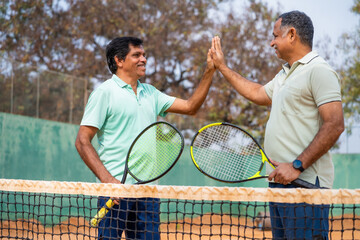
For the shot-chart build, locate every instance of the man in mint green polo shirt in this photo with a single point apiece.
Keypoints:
(305, 121)
(117, 111)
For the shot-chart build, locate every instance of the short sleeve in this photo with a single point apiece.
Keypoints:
(96, 109)
(164, 101)
(325, 85)
(269, 88)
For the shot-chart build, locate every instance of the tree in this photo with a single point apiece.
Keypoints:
(350, 72)
(70, 37)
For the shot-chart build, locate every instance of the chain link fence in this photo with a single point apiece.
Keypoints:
(35, 92)
(32, 91)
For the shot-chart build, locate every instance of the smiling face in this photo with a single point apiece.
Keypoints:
(134, 64)
(281, 41)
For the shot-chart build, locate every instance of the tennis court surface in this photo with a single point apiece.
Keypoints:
(63, 210)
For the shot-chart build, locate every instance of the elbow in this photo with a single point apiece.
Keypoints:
(338, 128)
(341, 128)
(192, 112)
(262, 101)
(77, 143)
(341, 125)
(84, 137)
(191, 109)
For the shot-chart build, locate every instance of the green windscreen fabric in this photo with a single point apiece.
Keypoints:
(37, 149)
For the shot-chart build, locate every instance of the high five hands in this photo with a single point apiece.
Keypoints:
(216, 53)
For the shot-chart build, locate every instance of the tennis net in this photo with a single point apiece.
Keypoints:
(63, 210)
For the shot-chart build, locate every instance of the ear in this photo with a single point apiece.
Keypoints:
(292, 34)
(119, 62)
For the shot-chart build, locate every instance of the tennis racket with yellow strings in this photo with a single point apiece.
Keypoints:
(228, 153)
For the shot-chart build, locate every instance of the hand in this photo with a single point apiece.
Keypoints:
(116, 200)
(112, 179)
(210, 62)
(284, 173)
(216, 53)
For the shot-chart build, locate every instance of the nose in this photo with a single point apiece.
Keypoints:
(272, 43)
(143, 58)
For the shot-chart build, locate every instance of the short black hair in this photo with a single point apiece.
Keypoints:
(120, 47)
(302, 23)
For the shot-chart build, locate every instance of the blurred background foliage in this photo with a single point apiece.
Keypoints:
(53, 54)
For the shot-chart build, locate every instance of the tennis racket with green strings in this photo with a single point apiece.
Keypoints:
(228, 153)
(151, 155)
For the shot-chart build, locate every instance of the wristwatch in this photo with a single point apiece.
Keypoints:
(297, 164)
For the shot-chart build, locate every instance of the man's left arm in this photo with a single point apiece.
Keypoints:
(333, 125)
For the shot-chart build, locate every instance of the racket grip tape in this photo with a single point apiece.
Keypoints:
(101, 213)
(301, 183)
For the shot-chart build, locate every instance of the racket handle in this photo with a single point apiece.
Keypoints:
(301, 183)
(101, 213)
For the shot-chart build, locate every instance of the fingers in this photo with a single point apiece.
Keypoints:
(210, 62)
(217, 43)
(275, 163)
(277, 177)
(216, 53)
(212, 49)
(284, 173)
(116, 200)
(213, 43)
(271, 176)
(209, 56)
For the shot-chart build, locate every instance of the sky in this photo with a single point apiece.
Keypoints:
(330, 17)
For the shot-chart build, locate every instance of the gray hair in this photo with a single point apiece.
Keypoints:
(302, 23)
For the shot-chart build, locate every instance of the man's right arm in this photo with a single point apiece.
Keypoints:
(252, 91)
(90, 156)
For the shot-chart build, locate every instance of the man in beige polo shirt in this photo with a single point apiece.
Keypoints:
(305, 121)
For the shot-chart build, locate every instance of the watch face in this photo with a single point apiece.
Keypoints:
(297, 164)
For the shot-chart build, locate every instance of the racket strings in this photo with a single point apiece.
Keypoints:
(226, 153)
(154, 152)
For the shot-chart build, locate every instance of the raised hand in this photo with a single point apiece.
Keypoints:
(216, 53)
(209, 61)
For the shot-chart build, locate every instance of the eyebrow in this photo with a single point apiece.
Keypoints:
(139, 52)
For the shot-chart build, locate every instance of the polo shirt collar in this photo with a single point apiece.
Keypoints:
(308, 57)
(123, 84)
(305, 60)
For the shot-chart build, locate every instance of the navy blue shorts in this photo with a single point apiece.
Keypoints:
(138, 218)
(298, 220)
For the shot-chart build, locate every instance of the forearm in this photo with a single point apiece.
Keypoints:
(321, 144)
(199, 96)
(92, 160)
(250, 90)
